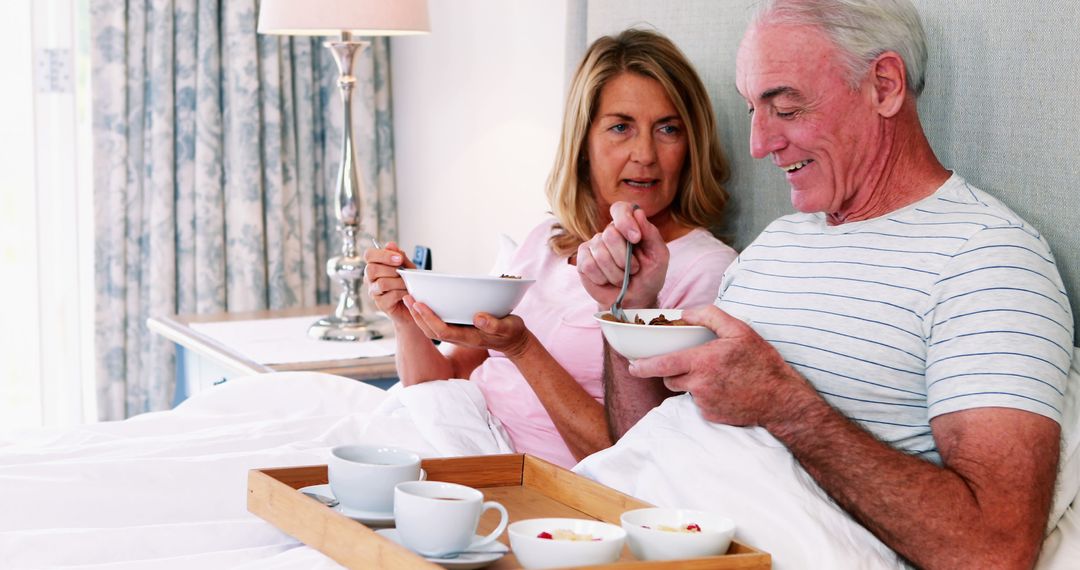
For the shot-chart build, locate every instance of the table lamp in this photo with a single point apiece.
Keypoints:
(346, 19)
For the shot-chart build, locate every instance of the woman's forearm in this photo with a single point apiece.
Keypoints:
(417, 358)
(577, 416)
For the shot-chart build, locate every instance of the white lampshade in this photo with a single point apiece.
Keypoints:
(331, 17)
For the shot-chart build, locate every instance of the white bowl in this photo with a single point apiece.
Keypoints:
(654, 544)
(534, 552)
(457, 298)
(643, 341)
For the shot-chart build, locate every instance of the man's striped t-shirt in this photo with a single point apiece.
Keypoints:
(951, 303)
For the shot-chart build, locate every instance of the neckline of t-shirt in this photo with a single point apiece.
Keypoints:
(953, 180)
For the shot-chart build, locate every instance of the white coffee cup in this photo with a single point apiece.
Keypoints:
(362, 477)
(438, 519)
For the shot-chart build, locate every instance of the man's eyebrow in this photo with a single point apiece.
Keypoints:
(778, 91)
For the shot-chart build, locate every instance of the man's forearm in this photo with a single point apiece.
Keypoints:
(627, 398)
(935, 516)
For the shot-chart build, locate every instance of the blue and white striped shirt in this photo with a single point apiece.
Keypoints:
(948, 304)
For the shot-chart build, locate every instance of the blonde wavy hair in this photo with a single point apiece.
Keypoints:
(701, 197)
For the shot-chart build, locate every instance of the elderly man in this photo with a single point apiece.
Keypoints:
(905, 335)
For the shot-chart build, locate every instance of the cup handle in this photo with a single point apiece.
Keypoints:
(498, 529)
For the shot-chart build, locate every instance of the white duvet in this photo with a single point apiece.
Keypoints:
(167, 490)
(673, 457)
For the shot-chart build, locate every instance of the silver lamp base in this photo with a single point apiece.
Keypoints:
(352, 330)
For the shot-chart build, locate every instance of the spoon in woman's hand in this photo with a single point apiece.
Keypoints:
(616, 309)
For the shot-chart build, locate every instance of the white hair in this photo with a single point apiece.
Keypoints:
(861, 29)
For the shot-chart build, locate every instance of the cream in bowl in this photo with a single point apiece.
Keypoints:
(457, 298)
(634, 340)
(672, 534)
(563, 542)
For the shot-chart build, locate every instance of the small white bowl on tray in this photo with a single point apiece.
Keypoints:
(659, 533)
(457, 298)
(644, 341)
(533, 552)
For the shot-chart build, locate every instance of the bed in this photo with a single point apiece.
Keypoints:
(168, 489)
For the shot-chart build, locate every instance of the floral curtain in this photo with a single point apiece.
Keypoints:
(215, 157)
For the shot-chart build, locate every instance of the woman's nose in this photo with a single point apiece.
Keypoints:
(644, 149)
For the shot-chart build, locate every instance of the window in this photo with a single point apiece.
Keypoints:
(46, 216)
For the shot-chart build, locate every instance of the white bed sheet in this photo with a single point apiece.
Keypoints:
(167, 490)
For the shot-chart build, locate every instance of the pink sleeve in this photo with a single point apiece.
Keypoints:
(694, 273)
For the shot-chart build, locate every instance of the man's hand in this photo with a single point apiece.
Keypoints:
(601, 260)
(507, 335)
(737, 379)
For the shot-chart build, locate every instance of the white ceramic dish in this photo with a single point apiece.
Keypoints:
(467, 561)
(534, 553)
(457, 298)
(644, 341)
(651, 543)
(369, 518)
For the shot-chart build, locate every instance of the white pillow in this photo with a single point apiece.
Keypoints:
(507, 247)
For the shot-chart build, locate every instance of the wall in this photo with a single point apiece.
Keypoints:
(477, 108)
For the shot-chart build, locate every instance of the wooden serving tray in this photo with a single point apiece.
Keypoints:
(529, 488)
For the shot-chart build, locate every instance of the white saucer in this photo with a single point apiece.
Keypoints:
(370, 518)
(491, 553)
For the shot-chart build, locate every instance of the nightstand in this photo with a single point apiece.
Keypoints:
(203, 362)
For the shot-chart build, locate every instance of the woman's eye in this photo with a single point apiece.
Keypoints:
(669, 129)
(618, 128)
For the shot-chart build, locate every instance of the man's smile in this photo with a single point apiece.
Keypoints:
(796, 166)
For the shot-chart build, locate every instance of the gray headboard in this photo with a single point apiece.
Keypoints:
(1001, 105)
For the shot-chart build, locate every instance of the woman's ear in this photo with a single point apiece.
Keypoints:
(890, 83)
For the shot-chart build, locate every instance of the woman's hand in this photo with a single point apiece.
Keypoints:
(385, 286)
(507, 335)
(601, 260)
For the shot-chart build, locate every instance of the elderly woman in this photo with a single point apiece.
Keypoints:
(638, 128)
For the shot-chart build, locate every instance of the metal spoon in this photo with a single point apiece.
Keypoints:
(323, 499)
(616, 309)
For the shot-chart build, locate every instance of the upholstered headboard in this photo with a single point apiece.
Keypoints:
(1001, 105)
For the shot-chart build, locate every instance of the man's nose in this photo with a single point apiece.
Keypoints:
(765, 138)
(643, 150)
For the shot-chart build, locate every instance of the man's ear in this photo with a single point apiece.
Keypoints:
(890, 83)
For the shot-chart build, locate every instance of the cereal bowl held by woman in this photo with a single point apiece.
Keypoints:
(457, 298)
(638, 128)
